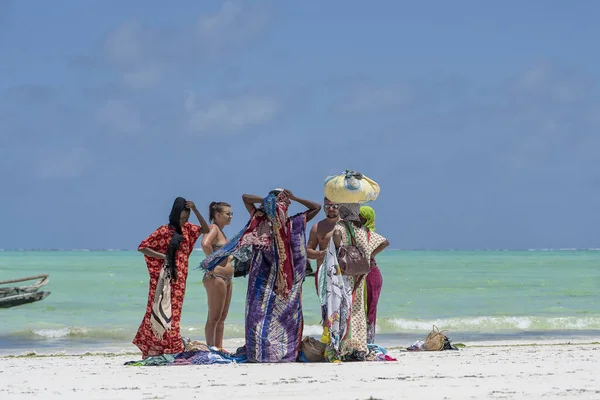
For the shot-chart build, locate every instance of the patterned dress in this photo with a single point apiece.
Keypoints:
(354, 345)
(158, 241)
(274, 321)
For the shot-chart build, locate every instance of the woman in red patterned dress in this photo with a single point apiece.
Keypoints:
(180, 235)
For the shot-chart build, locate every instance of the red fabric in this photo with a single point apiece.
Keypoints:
(258, 234)
(286, 268)
(374, 285)
(158, 241)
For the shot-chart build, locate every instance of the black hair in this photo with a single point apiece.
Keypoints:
(174, 222)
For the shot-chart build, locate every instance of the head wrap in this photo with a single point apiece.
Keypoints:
(369, 215)
(350, 211)
(175, 224)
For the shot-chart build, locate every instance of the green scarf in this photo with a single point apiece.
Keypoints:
(369, 215)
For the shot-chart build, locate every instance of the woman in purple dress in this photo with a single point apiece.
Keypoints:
(276, 246)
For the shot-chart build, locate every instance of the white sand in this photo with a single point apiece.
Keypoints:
(495, 371)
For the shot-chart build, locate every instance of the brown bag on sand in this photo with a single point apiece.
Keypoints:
(313, 350)
(435, 340)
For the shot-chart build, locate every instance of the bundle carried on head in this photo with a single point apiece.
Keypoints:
(351, 187)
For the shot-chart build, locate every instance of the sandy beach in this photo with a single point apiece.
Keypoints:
(509, 370)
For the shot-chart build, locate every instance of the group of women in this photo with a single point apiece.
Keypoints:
(271, 252)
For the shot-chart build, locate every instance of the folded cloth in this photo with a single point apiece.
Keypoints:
(160, 319)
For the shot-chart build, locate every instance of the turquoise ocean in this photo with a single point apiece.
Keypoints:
(98, 298)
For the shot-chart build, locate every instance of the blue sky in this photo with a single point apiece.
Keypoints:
(480, 120)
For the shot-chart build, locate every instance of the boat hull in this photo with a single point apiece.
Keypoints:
(23, 298)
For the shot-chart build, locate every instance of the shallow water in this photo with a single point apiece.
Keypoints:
(98, 298)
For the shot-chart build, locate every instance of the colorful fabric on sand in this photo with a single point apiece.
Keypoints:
(274, 320)
(170, 341)
(379, 353)
(196, 353)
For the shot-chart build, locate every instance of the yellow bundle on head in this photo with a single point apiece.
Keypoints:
(351, 187)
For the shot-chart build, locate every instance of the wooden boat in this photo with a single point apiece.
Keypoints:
(11, 296)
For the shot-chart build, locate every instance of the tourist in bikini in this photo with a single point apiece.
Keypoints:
(218, 282)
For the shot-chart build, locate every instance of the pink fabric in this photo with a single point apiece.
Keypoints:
(374, 285)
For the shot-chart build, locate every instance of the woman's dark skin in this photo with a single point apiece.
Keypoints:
(185, 216)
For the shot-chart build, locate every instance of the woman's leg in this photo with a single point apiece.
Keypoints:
(216, 292)
(221, 323)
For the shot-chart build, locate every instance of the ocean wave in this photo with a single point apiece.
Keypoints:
(73, 333)
(491, 324)
(235, 331)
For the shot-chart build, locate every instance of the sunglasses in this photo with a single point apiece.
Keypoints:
(334, 206)
(229, 214)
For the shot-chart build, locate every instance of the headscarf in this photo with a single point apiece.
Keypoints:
(350, 211)
(368, 214)
(175, 224)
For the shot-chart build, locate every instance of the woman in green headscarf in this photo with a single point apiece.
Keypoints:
(374, 278)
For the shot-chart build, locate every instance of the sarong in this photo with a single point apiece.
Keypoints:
(374, 285)
(274, 320)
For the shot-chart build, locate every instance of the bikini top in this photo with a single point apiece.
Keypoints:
(217, 246)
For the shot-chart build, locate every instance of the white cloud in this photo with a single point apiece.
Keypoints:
(230, 26)
(215, 24)
(535, 76)
(125, 46)
(553, 82)
(120, 117)
(230, 115)
(143, 77)
(67, 164)
(145, 55)
(368, 98)
(594, 116)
